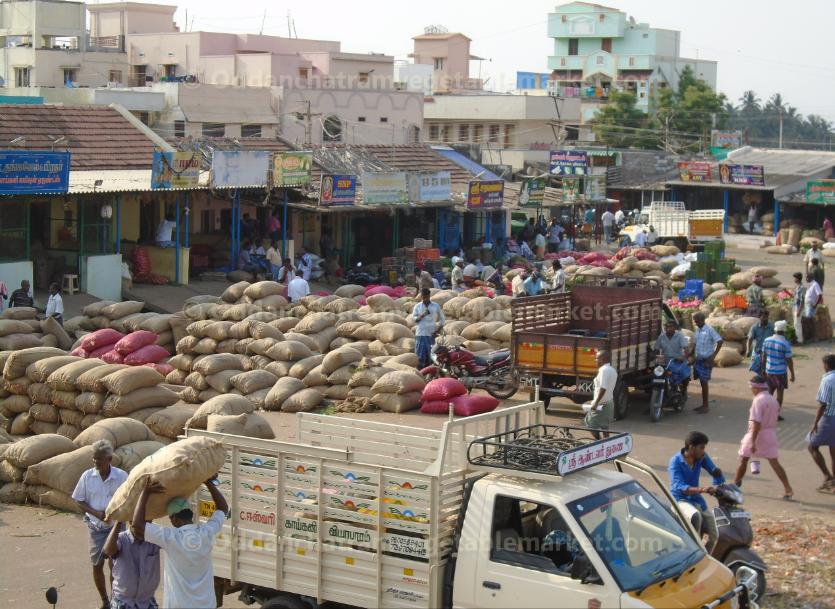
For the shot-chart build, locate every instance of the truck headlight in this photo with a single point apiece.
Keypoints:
(658, 371)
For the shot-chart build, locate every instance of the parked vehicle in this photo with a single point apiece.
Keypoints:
(491, 371)
(673, 222)
(359, 276)
(368, 514)
(665, 392)
(556, 338)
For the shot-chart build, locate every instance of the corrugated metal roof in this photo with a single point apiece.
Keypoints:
(131, 180)
(784, 162)
(468, 164)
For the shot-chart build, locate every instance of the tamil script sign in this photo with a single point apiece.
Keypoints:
(748, 175)
(569, 162)
(384, 188)
(338, 190)
(728, 140)
(175, 170)
(486, 194)
(821, 192)
(595, 188)
(240, 168)
(532, 193)
(31, 173)
(575, 459)
(292, 169)
(694, 171)
(430, 186)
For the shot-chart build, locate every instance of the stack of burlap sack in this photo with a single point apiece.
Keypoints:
(19, 329)
(124, 317)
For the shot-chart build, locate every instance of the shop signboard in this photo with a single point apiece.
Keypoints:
(532, 193)
(338, 190)
(694, 171)
(727, 140)
(485, 194)
(292, 169)
(240, 168)
(747, 175)
(425, 186)
(821, 192)
(570, 189)
(175, 170)
(596, 188)
(389, 187)
(569, 162)
(25, 172)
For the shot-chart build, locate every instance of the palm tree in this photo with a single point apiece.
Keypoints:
(750, 102)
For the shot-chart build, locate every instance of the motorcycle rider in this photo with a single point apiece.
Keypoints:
(429, 319)
(684, 470)
(672, 345)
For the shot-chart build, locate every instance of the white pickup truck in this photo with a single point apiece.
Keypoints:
(672, 221)
(495, 510)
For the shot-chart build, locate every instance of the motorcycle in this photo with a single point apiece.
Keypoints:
(665, 393)
(358, 276)
(492, 372)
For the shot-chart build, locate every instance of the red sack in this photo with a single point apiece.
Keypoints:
(102, 351)
(469, 405)
(113, 357)
(149, 354)
(442, 389)
(135, 341)
(435, 407)
(79, 352)
(100, 338)
(380, 289)
(163, 369)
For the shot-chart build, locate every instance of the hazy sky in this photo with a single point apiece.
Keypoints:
(764, 46)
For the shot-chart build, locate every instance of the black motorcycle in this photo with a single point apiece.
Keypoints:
(665, 393)
(358, 276)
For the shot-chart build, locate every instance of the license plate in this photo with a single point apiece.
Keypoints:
(528, 381)
(740, 514)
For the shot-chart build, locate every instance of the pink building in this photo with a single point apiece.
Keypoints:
(449, 55)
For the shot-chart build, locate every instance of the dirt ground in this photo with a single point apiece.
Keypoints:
(41, 548)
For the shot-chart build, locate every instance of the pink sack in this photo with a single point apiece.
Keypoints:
(149, 354)
(100, 338)
(469, 405)
(101, 351)
(113, 357)
(380, 289)
(135, 341)
(163, 369)
(442, 389)
(79, 352)
(435, 407)
(323, 293)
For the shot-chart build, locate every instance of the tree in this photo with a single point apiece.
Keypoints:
(621, 124)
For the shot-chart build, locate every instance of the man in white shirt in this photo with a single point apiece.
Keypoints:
(558, 279)
(297, 289)
(305, 266)
(274, 258)
(164, 231)
(812, 299)
(652, 236)
(429, 319)
(752, 218)
(608, 220)
(619, 217)
(93, 492)
(188, 573)
(471, 273)
(55, 304)
(517, 286)
(602, 409)
(539, 245)
(457, 276)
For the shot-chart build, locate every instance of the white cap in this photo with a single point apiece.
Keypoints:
(780, 326)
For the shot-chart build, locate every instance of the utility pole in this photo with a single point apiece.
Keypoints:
(780, 145)
(306, 116)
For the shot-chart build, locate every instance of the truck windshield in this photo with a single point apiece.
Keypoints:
(637, 538)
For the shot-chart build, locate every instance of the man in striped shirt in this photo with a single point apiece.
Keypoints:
(823, 429)
(779, 365)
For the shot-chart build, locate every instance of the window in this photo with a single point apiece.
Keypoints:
(631, 61)
(573, 46)
(445, 133)
(114, 76)
(414, 134)
(70, 76)
(478, 130)
(332, 129)
(508, 135)
(364, 77)
(207, 220)
(213, 129)
(138, 75)
(602, 18)
(21, 77)
(463, 133)
(360, 119)
(646, 35)
(606, 44)
(434, 133)
(171, 71)
(565, 19)
(303, 73)
(562, 61)
(600, 60)
(179, 128)
(384, 119)
(494, 134)
(144, 117)
(439, 63)
(250, 130)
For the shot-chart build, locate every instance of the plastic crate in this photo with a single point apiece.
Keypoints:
(697, 286)
(734, 301)
(427, 254)
(422, 244)
(686, 294)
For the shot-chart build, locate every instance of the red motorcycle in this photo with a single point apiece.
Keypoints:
(492, 372)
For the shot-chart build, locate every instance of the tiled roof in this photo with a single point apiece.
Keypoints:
(98, 137)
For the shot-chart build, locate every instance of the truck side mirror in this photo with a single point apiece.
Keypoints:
(582, 569)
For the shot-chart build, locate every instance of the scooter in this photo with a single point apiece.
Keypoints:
(665, 393)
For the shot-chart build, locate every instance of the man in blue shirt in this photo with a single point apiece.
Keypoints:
(706, 345)
(533, 284)
(429, 319)
(759, 332)
(778, 364)
(684, 469)
(823, 429)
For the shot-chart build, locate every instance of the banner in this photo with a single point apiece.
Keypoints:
(595, 188)
(532, 193)
(386, 187)
(694, 171)
(569, 162)
(430, 186)
(821, 192)
(240, 168)
(338, 190)
(486, 194)
(292, 169)
(175, 170)
(749, 175)
(729, 140)
(570, 189)
(24, 172)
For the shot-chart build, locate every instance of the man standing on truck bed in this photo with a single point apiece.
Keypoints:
(602, 408)
(707, 343)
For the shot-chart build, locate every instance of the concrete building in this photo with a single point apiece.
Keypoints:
(598, 49)
(441, 64)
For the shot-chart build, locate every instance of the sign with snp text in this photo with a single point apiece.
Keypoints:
(338, 190)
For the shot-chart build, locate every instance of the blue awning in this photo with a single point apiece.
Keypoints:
(462, 161)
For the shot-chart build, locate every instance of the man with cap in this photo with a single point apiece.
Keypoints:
(93, 492)
(777, 353)
(189, 577)
(457, 276)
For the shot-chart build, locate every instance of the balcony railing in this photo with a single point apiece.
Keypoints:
(584, 93)
(112, 44)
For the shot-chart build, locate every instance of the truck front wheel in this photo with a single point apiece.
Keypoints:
(286, 601)
(621, 401)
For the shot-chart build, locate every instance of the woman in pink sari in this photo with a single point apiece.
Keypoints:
(828, 233)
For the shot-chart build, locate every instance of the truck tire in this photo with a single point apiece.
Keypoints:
(621, 401)
(285, 601)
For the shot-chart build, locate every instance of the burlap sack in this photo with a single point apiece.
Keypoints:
(62, 472)
(19, 313)
(180, 467)
(130, 379)
(176, 377)
(366, 377)
(14, 492)
(339, 359)
(323, 339)
(302, 401)
(472, 331)
(196, 381)
(67, 430)
(186, 344)
(221, 381)
(289, 351)
(239, 312)
(400, 382)
(218, 362)
(64, 399)
(199, 328)
(261, 346)
(401, 346)
(157, 323)
(20, 424)
(281, 390)
(131, 455)
(118, 310)
(397, 403)
(11, 473)
(170, 422)
(301, 368)
(315, 378)
(30, 451)
(66, 377)
(71, 417)
(254, 380)
(43, 428)
(12, 326)
(389, 332)
(118, 431)
(222, 404)
(360, 392)
(234, 292)
(18, 386)
(45, 496)
(262, 289)
(728, 357)
(204, 346)
(44, 412)
(315, 322)
(454, 328)
(89, 420)
(16, 404)
(90, 402)
(337, 392)
(39, 371)
(145, 397)
(15, 342)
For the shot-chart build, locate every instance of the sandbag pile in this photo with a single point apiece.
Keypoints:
(19, 329)
(139, 348)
